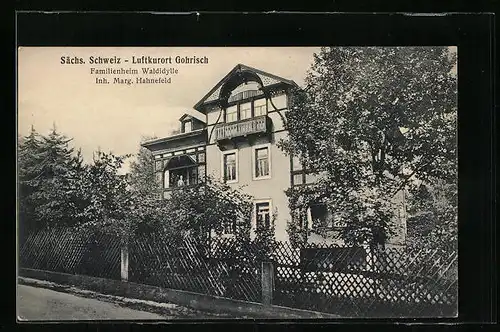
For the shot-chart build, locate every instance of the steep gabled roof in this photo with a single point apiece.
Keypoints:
(262, 77)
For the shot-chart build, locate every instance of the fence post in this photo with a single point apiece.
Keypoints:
(267, 282)
(124, 262)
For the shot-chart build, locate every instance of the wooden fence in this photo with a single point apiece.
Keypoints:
(352, 282)
(362, 282)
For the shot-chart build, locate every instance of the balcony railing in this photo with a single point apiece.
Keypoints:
(245, 127)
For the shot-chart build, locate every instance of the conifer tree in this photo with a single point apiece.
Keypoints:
(29, 179)
(48, 181)
(56, 179)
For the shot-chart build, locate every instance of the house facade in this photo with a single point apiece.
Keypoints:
(232, 135)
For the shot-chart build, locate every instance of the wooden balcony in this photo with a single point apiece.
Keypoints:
(228, 131)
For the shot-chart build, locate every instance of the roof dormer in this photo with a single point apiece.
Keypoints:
(189, 123)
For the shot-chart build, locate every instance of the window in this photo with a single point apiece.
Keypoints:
(262, 162)
(260, 107)
(319, 216)
(188, 126)
(229, 167)
(263, 215)
(232, 113)
(319, 213)
(245, 111)
(297, 165)
(242, 111)
(297, 179)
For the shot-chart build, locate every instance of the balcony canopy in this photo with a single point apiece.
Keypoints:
(241, 77)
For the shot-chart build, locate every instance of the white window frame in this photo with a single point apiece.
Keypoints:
(223, 167)
(254, 161)
(254, 212)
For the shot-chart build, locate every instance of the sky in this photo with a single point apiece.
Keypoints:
(114, 117)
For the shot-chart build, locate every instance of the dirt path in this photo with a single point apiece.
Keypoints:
(43, 300)
(45, 304)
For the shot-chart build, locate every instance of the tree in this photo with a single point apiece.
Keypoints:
(47, 172)
(142, 172)
(59, 174)
(370, 121)
(433, 216)
(29, 173)
(150, 212)
(107, 201)
(74, 195)
(207, 208)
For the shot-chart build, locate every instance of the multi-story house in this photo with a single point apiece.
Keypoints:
(232, 135)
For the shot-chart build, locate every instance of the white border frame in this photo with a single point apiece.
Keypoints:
(260, 146)
(223, 153)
